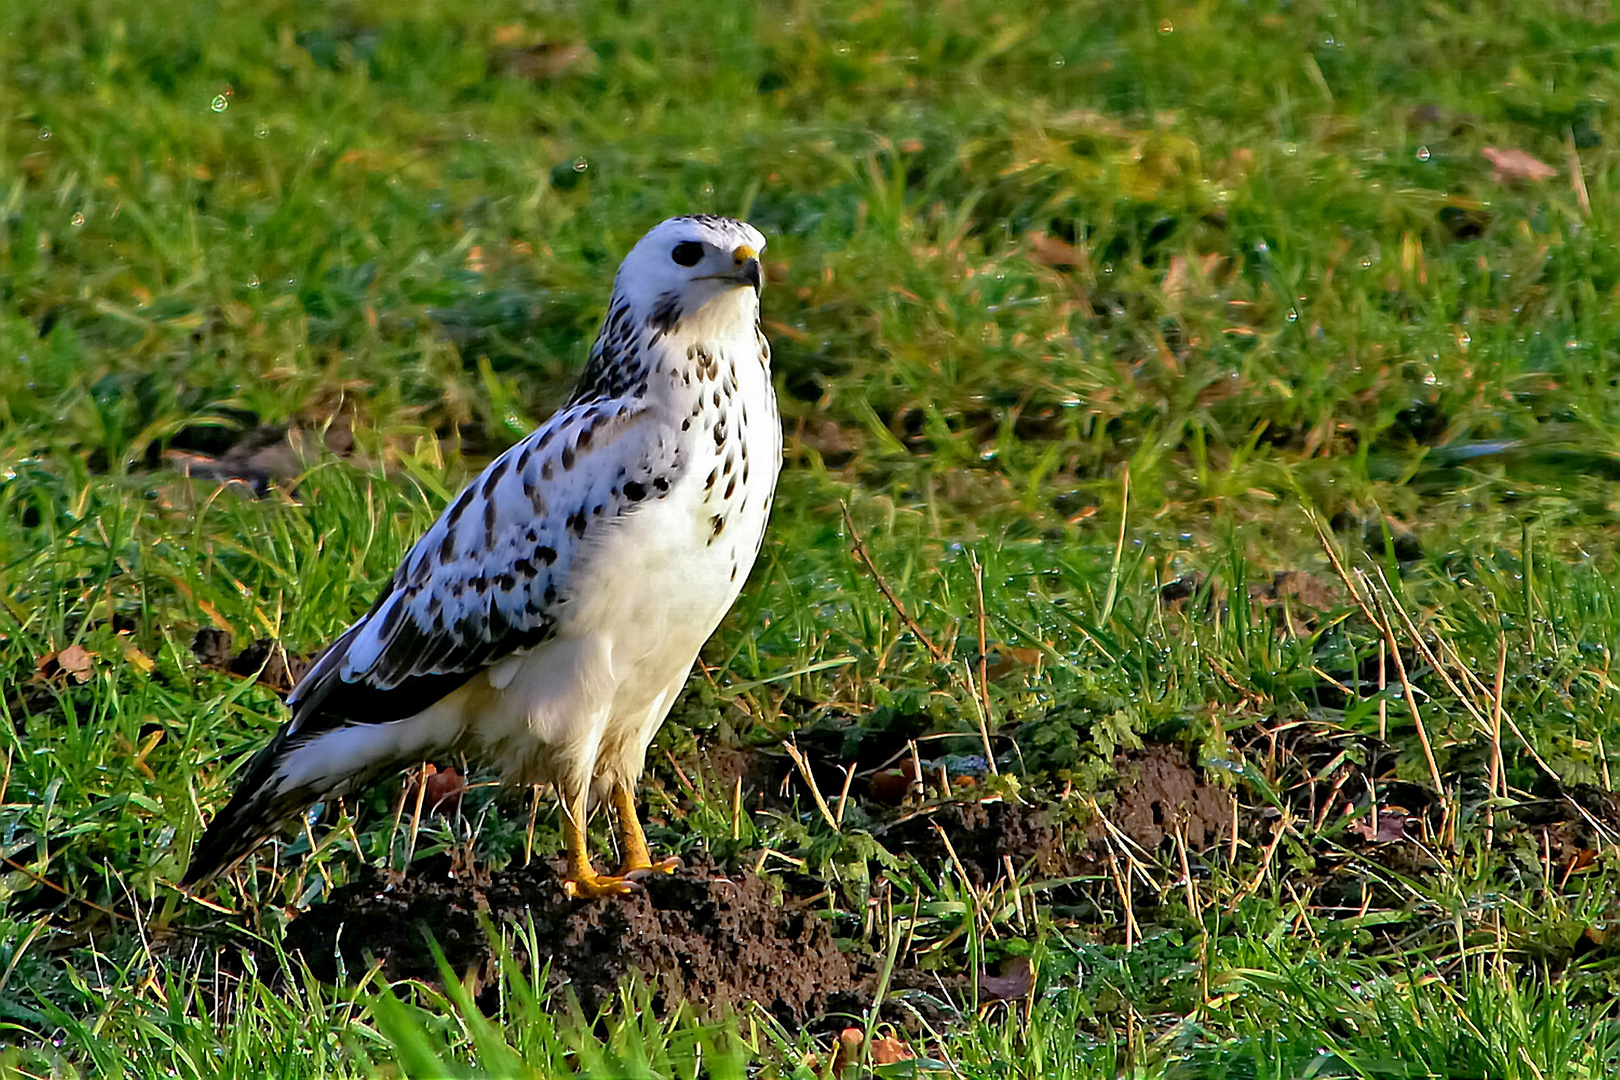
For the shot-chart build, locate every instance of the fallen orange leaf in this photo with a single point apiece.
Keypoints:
(887, 1051)
(1516, 165)
(1054, 252)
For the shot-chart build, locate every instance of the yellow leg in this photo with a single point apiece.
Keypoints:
(581, 881)
(637, 860)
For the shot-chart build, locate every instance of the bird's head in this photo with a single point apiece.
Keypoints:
(697, 272)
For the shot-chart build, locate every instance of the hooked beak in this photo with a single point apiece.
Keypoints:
(748, 270)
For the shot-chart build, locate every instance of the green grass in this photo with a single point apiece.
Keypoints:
(1249, 256)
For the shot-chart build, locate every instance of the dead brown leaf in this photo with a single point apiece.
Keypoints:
(1391, 827)
(71, 664)
(887, 1051)
(1512, 164)
(1015, 981)
(1239, 162)
(890, 787)
(1050, 251)
(1582, 861)
(1006, 659)
(884, 1050)
(135, 656)
(848, 1051)
(444, 788)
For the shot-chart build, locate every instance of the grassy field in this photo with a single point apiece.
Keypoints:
(1133, 317)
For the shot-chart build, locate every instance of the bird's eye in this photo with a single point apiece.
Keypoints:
(687, 253)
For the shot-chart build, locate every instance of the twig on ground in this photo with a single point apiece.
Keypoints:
(1496, 770)
(416, 817)
(1411, 698)
(1270, 852)
(843, 796)
(858, 549)
(1122, 882)
(984, 669)
(38, 880)
(1429, 656)
(1387, 632)
(810, 781)
(528, 837)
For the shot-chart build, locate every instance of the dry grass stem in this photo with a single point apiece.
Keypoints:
(416, 816)
(1122, 883)
(810, 781)
(984, 667)
(1411, 698)
(858, 549)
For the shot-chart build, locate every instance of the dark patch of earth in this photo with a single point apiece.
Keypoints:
(1160, 788)
(1157, 789)
(696, 935)
(721, 940)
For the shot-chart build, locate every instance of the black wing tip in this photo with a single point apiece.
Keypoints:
(215, 855)
(252, 816)
(235, 832)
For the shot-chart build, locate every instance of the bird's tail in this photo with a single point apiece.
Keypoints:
(256, 811)
(298, 769)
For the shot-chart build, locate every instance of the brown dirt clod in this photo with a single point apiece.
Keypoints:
(1158, 791)
(980, 834)
(695, 935)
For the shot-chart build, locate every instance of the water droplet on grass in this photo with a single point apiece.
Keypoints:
(263, 133)
(1057, 60)
(1293, 315)
(1166, 26)
(580, 164)
(219, 103)
(1423, 153)
(44, 133)
(253, 282)
(78, 220)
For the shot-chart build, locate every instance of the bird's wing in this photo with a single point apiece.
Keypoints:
(489, 578)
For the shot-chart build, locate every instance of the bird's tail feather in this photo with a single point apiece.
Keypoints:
(297, 770)
(255, 812)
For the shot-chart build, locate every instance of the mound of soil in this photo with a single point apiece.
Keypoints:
(696, 935)
(979, 834)
(1157, 789)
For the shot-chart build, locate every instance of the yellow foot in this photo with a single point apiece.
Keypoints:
(636, 871)
(590, 885)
